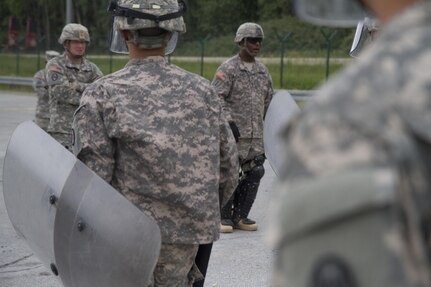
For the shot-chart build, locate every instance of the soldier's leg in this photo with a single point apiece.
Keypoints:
(246, 194)
(226, 217)
(176, 266)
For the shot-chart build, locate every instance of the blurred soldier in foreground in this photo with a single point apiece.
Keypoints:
(158, 134)
(41, 88)
(67, 77)
(245, 88)
(354, 204)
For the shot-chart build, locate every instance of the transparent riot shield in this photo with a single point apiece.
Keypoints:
(80, 227)
(281, 109)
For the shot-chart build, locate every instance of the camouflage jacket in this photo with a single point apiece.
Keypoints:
(66, 83)
(245, 94)
(158, 134)
(374, 114)
(42, 106)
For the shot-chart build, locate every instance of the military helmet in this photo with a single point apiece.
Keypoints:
(248, 30)
(140, 14)
(137, 15)
(336, 13)
(73, 31)
(51, 54)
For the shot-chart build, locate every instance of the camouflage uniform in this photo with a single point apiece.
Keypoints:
(245, 94)
(158, 134)
(373, 115)
(42, 106)
(66, 83)
(245, 98)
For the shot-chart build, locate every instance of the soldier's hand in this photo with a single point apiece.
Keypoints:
(235, 130)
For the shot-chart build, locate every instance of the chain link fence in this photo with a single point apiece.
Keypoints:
(292, 65)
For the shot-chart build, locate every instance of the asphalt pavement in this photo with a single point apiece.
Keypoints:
(239, 259)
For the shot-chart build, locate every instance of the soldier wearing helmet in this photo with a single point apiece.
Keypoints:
(67, 76)
(244, 86)
(41, 88)
(353, 207)
(158, 135)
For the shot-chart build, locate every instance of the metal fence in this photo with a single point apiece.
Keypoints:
(291, 66)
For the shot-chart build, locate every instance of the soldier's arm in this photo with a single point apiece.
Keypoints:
(61, 89)
(81, 86)
(92, 144)
(229, 164)
(222, 83)
(269, 95)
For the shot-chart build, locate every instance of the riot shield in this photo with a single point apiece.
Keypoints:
(280, 111)
(80, 227)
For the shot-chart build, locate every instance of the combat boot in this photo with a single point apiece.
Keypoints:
(246, 224)
(226, 226)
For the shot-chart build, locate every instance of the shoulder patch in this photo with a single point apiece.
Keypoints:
(221, 75)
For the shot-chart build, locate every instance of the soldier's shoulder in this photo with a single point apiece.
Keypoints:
(230, 65)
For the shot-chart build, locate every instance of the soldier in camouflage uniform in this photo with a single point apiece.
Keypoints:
(67, 77)
(158, 134)
(245, 88)
(41, 88)
(375, 115)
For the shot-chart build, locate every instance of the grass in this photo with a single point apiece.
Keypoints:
(297, 75)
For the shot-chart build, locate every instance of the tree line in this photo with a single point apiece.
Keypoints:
(204, 19)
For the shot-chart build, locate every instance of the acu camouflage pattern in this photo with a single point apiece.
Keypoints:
(153, 7)
(42, 106)
(245, 97)
(75, 32)
(66, 82)
(158, 134)
(176, 266)
(248, 30)
(372, 115)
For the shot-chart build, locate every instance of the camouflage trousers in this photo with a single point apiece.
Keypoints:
(176, 266)
(248, 149)
(42, 123)
(63, 139)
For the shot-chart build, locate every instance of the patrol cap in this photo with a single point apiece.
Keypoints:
(248, 30)
(51, 54)
(74, 31)
(335, 13)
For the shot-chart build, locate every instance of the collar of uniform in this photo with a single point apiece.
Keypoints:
(256, 68)
(147, 60)
(84, 66)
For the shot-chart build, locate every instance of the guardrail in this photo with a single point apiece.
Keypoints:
(299, 95)
(16, 81)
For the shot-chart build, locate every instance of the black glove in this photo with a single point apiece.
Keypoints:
(235, 130)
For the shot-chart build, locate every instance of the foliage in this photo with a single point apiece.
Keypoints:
(213, 21)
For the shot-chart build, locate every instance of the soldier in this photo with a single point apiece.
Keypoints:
(158, 134)
(41, 88)
(67, 77)
(354, 204)
(245, 88)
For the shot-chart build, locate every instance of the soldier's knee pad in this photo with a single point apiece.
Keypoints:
(255, 174)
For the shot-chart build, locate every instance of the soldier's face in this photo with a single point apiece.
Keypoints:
(77, 48)
(253, 46)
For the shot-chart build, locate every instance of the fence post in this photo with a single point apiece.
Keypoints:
(328, 42)
(203, 41)
(283, 41)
